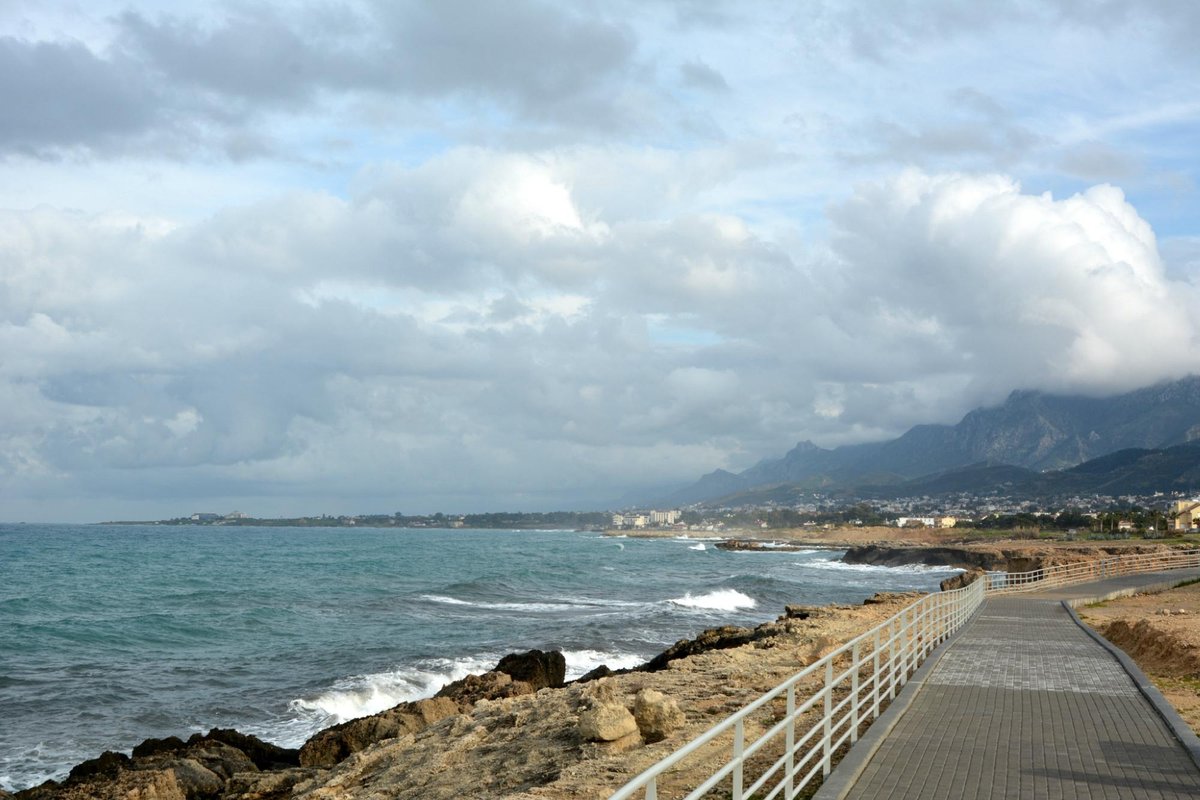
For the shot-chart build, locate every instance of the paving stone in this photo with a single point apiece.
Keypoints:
(1024, 704)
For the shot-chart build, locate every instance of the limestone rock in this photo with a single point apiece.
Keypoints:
(334, 744)
(606, 722)
(539, 669)
(264, 754)
(488, 686)
(266, 785)
(962, 580)
(657, 715)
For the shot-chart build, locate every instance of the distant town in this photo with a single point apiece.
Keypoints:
(1105, 516)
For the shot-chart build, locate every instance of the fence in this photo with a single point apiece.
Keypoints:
(795, 729)
(1085, 571)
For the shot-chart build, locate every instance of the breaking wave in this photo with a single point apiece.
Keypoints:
(719, 600)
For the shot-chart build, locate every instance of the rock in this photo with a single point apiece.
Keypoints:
(537, 668)
(196, 780)
(712, 639)
(332, 745)
(264, 754)
(606, 722)
(267, 785)
(488, 686)
(216, 757)
(151, 747)
(106, 765)
(657, 715)
(596, 674)
(962, 579)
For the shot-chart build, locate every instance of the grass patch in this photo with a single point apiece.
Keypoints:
(1181, 584)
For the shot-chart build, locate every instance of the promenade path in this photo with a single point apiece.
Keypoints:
(1024, 704)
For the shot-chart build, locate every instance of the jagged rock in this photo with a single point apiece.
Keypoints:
(883, 598)
(712, 639)
(106, 765)
(196, 780)
(596, 674)
(151, 747)
(216, 757)
(488, 686)
(962, 580)
(606, 722)
(264, 754)
(334, 744)
(537, 668)
(267, 785)
(656, 715)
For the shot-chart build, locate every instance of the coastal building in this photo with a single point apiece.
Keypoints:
(1185, 514)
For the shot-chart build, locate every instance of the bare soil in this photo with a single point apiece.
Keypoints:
(1161, 633)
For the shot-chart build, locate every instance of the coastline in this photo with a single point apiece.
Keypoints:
(519, 728)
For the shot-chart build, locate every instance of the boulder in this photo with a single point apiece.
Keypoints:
(106, 765)
(657, 715)
(264, 754)
(152, 747)
(332, 745)
(267, 785)
(539, 669)
(606, 722)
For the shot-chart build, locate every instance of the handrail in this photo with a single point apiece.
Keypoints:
(870, 670)
(1093, 570)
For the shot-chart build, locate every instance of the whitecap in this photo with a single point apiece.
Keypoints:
(718, 600)
(581, 662)
(835, 564)
(450, 601)
(698, 547)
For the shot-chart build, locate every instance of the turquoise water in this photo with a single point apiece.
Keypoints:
(112, 634)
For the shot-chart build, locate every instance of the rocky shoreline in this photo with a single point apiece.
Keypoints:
(520, 727)
(519, 730)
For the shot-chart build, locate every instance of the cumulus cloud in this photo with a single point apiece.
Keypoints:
(539, 346)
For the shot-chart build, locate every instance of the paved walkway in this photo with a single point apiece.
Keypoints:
(1025, 704)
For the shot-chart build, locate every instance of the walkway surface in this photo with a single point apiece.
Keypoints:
(1025, 704)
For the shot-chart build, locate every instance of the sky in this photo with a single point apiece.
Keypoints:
(375, 257)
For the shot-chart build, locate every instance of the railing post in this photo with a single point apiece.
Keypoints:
(854, 653)
(827, 742)
(878, 678)
(789, 790)
(739, 746)
(652, 789)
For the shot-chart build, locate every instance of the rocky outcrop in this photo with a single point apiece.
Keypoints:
(334, 744)
(163, 769)
(962, 580)
(1007, 558)
(539, 669)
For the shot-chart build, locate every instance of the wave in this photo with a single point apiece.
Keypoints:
(698, 547)
(562, 604)
(363, 695)
(581, 662)
(718, 600)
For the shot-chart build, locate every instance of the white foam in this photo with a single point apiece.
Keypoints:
(835, 564)
(718, 600)
(698, 547)
(581, 662)
(363, 695)
(451, 601)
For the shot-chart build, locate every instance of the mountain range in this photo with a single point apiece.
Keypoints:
(1033, 440)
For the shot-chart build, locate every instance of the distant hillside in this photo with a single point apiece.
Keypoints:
(1030, 430)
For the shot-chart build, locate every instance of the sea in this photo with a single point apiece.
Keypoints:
(110, 634)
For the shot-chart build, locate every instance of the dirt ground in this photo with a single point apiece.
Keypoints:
(1161, 632)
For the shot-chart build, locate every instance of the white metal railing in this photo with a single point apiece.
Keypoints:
(841, 692)
(1094, 570)
(844, 689)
